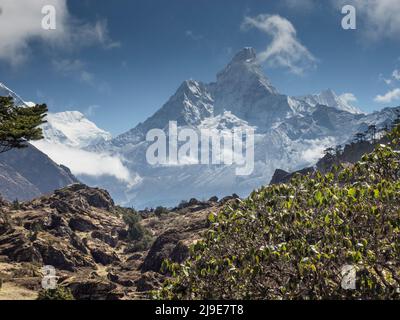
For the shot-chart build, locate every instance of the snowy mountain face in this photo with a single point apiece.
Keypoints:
(69, 128)
(331, 99)
(72, 129)
(66, 137)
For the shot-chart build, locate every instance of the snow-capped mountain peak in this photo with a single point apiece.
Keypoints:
(247, 54)
(244, 71)
(243, 89)
(73, 129)
(70, 128)
(331, 99)
(7, 92)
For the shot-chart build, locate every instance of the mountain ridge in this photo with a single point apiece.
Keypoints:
(290, 133)
(28, 173)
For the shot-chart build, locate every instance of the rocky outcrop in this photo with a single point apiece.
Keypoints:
(94, 289)
(161, 250)
(81, 233)
(56, 230)
(148, 281)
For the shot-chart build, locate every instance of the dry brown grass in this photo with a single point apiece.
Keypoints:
(10, 291)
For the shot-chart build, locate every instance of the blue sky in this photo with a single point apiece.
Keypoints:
(119, 61)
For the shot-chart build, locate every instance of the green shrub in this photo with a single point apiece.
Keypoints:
(16, 205)
(136, 232)
(291, 241)
(60, 293)
(142, 245)
(135, 229)
(159, 211)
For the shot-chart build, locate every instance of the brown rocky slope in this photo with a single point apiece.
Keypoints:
(81, 233)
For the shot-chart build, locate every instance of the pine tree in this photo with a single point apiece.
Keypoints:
(396, 121)
(339, 150)
(329, 151)
(360, 137)
(19, 124)
(372, 131)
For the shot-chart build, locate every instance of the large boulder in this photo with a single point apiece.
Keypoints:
(81, 224)
(161, 250)
(94, 289)
(148, 281)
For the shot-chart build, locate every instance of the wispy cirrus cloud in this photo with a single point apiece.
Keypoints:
(192, 35)
(73, 67)
(285, 49)
(91, 110)
(20, 26)
(396, 75)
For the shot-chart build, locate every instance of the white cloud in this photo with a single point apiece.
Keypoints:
(190, 34)
(82, 162)
(396, 74)
(314, 149)
(389, 96)
(379, 19)
(91, 110)
(87, 77)
(285, 50)
(387, 81)
(348, 98)
(21, 24)
(376, 19)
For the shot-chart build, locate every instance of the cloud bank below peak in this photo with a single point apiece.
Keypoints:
(86, 163)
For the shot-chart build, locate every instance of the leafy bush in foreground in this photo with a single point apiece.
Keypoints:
(291, 241)
(60, 293)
